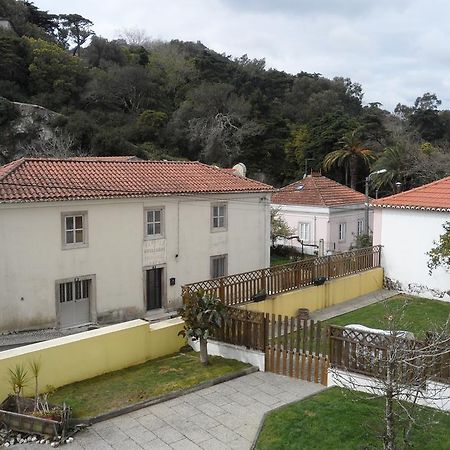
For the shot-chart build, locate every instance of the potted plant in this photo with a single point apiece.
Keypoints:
(32, 415)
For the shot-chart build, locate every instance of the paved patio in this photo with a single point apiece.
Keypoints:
(225, 416)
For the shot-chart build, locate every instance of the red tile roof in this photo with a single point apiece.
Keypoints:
(317, 190)
(432, 196)
(105, 158)
(46, 179)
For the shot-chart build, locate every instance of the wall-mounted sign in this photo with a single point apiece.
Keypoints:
(154, 252)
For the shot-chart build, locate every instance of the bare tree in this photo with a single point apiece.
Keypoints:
(406, 372)
(57, 145)
(134, 36)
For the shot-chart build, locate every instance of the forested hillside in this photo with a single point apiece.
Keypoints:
(182, 100)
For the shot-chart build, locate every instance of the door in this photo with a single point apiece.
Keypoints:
(74, 302)
(154, 288)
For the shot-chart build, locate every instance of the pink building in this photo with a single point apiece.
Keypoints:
(320, 209)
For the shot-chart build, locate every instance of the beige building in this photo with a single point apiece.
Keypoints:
(100, 239)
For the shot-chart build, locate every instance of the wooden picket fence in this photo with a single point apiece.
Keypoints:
(296, 347)
(292, 346)
(241, 327)
(248, 286)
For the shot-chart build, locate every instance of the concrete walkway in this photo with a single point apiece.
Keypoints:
(225, 416)
(352, 305)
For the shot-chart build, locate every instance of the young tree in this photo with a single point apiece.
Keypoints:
(404, 373)
(439, 255)
(202, 314)
(279, 227)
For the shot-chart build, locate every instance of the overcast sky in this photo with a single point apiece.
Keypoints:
(397, 49)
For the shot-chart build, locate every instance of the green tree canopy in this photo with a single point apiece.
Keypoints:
(439, 255)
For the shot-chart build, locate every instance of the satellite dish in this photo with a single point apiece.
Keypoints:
(240, 169)
(299, 187)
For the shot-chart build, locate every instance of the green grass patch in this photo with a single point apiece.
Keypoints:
(142, 382)
(334, 419)
(276, 260)
(416, 314)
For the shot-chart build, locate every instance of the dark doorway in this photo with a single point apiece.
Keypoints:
(154, 288)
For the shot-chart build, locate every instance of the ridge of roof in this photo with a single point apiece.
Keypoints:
(421, 197)
(317, 187)
(7, 169)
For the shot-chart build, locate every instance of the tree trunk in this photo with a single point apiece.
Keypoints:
(204, 351)
(389, 432)
(389, 439)
(353, 171)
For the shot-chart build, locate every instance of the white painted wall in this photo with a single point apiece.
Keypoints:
(229, 351)
(324, 224)
(32, 258)
(436, 395)
(406, 236)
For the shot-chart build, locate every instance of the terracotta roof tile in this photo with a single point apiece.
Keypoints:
(317, 190)
(46, 179)
(432, 196)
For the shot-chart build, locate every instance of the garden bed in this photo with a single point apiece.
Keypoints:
(28, 421)
(141, 383)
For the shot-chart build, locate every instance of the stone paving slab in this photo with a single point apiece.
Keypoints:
(224, 416)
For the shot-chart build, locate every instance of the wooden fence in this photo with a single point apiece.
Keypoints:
(241, 327)
(296, 347)
(366, 353)
(292, 346)
(248, 286)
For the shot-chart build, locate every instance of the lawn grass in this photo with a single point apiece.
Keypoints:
(333, 419)
(419, 314)
(276, 260)
(142, 382)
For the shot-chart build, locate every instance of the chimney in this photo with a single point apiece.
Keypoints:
(398, 187)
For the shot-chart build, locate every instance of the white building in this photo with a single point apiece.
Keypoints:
(406, 225)
(318, 208)
(101, 239)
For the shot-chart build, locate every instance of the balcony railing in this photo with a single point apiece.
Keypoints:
(250, 286)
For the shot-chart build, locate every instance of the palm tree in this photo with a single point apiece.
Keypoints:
(349, 155)
(394, 160)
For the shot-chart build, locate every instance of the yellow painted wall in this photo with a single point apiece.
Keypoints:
(86, 355)
(317, 297)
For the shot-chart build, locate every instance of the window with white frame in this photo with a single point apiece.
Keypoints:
(74, 229)
(219, 216)
(304, 231)
(154, 222)
(342, 231)
(360, 229)
(219, 266)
